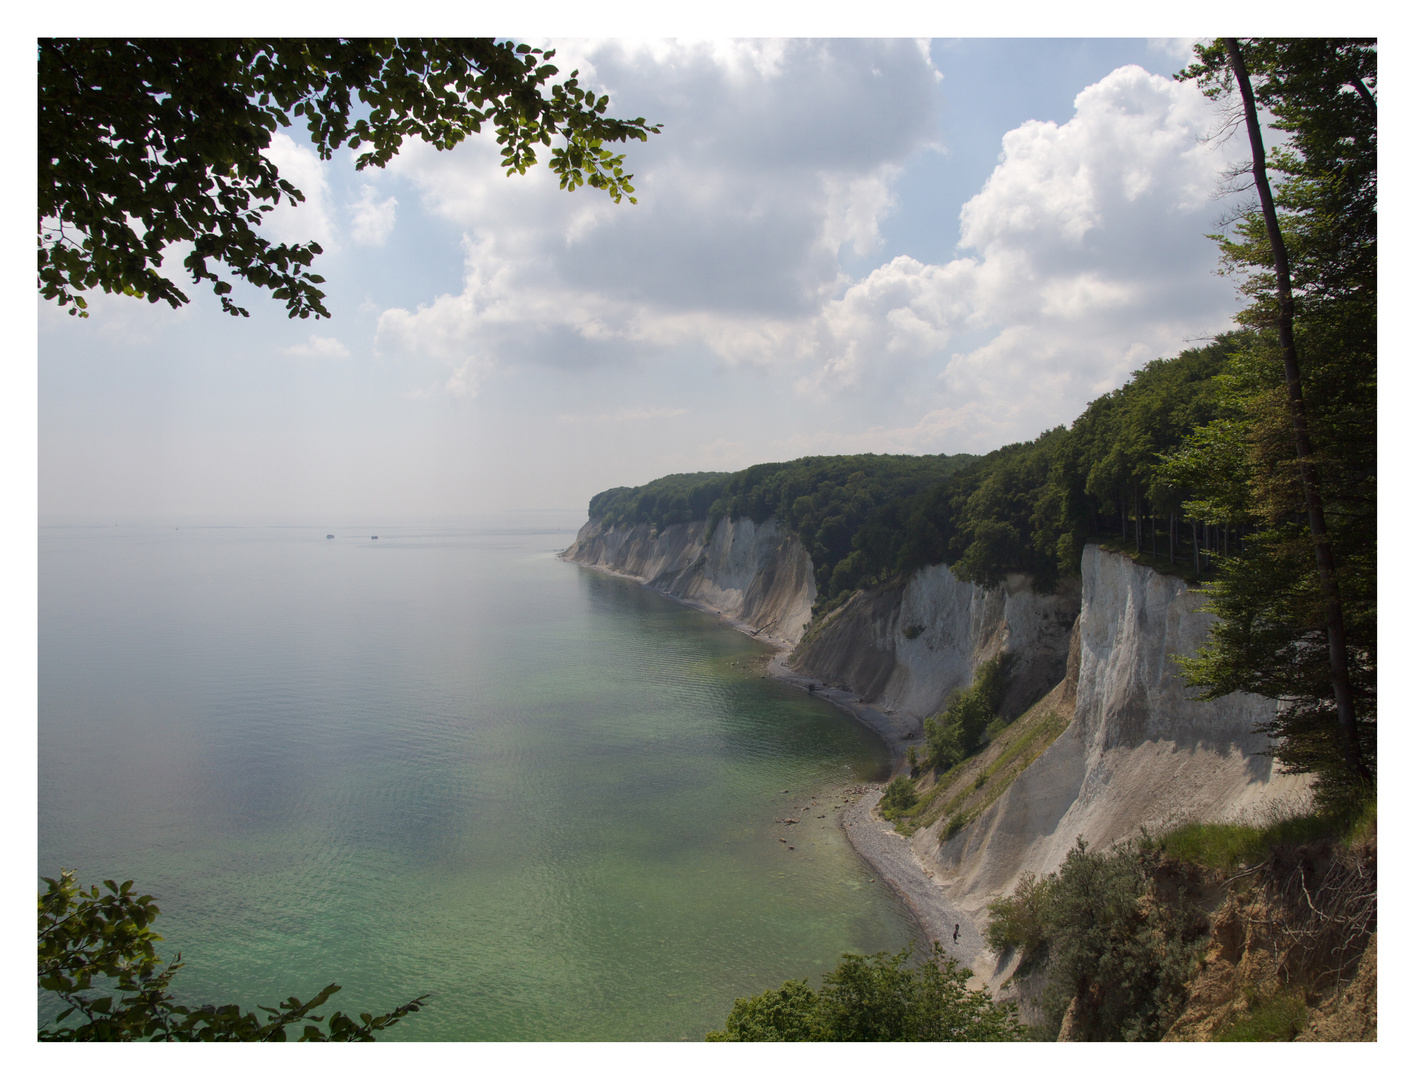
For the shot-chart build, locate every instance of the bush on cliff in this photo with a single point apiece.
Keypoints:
(899, 797)
(1117, 956)
(1019, 922)
(876, 998)
(958, 731)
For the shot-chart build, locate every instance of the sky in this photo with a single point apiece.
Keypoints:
(844, 245)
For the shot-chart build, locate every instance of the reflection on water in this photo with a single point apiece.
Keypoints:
(440, 763)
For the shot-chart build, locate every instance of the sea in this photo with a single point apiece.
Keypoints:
(442, 762)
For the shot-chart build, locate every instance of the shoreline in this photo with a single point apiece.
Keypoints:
(874, 839)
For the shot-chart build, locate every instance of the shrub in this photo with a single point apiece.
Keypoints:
(97, 955)
(1108, 943)
(959, 730)
(899, 797)
(1020, 921)
(1113, 947)
(876, 999)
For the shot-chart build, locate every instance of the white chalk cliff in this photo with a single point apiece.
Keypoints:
(1139, 752)
(756, 575)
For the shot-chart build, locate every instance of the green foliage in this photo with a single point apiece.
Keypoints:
(1110, 944)
(876, 999)
(957, 733)
(676, 499)
(1276, 1018)
(1114, 948)
(1271, 633)
(1018, 922)
(1228, 845)
(148, 143)
(791, 1014)
(97, 953)
(899, 797)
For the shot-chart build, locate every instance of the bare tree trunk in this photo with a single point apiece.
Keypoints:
(1348, 732)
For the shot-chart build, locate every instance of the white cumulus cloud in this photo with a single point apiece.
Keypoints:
(371, 222)
(319, 348)
(1083, 256)
(775, 157)
(312, 219)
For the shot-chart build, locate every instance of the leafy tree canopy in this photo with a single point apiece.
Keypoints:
(878, 998)
(97, 954)
(1116, 953)
(1272, 636)
(145, 144)
(1026, 508)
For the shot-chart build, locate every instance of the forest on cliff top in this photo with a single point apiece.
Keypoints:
(1028, 507)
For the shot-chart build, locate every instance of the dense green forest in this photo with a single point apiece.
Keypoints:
(1028, 507)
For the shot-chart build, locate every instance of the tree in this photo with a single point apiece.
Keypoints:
(97, 954)
(875, 999)
(1117, 955)
(146, 144)
(1301, 629)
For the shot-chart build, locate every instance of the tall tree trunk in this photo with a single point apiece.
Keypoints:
(1171, 539)
(1348, 732)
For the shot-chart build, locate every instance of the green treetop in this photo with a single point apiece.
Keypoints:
(145, 144)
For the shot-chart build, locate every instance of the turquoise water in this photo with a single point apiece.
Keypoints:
(442, 762)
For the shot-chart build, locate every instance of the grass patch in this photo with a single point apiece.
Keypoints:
(1229, 845)
(958, 822)
(1276, 1018)
(1033, 735)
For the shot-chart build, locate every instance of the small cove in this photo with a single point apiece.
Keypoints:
(442, 762)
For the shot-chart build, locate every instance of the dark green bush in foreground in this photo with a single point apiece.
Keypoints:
(96, 953)
(875, 999)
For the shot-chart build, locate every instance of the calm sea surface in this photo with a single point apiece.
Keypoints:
(441, 762)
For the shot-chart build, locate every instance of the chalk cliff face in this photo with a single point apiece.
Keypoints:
(908, 648)
(757, 575)
(1138, 752)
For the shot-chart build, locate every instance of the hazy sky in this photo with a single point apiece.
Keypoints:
(839, 246)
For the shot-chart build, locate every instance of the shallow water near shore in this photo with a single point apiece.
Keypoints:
(442, 762)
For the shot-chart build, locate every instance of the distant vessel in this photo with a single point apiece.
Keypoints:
(373, 538)
(329, 536)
